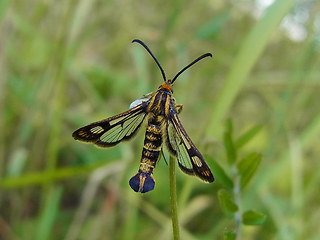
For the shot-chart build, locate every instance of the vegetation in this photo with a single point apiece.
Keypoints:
(252, 110)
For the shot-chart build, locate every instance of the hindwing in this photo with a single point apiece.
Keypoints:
(180, 145)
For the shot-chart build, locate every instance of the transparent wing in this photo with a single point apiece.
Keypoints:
(111, 131)
(180, 145)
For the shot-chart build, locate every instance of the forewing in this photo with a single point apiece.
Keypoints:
(180, 145)
(111, 131)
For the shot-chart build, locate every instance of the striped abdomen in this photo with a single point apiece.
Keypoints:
(143, 181)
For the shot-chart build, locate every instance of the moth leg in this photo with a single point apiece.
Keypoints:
(179, 108)
(148, 95)
(164, 158)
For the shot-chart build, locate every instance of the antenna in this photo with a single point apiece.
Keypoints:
(154, 58)
(195, 61)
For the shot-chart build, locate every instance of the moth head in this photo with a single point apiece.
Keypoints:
(167, 85)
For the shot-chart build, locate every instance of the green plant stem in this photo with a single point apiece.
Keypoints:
(173, 199)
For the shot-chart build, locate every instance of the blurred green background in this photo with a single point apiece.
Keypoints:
(64, 64)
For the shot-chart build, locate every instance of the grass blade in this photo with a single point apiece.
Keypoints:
(250, 51)
(49, 213)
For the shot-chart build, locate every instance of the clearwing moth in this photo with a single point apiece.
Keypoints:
(163, 126)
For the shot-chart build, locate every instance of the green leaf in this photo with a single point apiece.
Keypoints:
(228, 143)
(229, 235)
(226, 202)
(229, 126)
(247, 167)
(253, 218)
(220, 174)
(247, 136)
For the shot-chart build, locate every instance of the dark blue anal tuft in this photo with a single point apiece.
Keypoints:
(142, 182)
